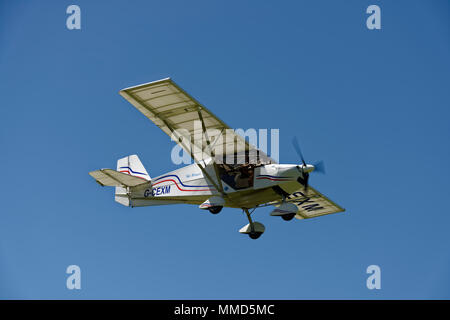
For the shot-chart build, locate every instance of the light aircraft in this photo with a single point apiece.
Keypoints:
(228, 171)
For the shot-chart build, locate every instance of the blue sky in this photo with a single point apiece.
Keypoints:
(373, 104)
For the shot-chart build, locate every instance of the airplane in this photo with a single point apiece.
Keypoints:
(227, 171)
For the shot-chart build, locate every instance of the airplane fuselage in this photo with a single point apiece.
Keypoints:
(265, 183)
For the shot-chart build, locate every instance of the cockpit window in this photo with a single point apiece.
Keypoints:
(238, 176)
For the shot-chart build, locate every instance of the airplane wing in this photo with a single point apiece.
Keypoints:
(196, 129)
(310, 205)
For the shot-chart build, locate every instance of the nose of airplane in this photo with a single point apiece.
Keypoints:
(307, 168)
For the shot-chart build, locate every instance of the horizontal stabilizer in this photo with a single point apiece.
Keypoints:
(113, 178)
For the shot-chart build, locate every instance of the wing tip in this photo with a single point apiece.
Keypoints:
(169, 79)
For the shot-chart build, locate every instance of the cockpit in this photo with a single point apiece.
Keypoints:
(238, 176)
(238, 171)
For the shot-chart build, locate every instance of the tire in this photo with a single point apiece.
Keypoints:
(215, 210)
(288, 217)
(255, 235)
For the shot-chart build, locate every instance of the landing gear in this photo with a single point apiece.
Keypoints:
(255, 235)
(215, 210)
(213, 204)
(288, 217)
(254, 229)
(285, 210)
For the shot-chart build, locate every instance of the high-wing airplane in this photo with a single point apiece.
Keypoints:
(228, 171)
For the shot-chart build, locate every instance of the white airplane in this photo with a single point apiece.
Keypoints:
(227, 171)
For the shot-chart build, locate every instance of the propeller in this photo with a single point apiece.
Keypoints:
(318, 166)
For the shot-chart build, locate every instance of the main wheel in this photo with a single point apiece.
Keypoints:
(215, 210)
(255, 234)
(288, 217)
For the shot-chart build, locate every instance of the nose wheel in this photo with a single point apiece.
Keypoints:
(254, 229)
(255, 235)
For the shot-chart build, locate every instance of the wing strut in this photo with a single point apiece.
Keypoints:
(166, 123)
(213, 155)
(181, 141)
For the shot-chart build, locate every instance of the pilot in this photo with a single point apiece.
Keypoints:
(242, 178)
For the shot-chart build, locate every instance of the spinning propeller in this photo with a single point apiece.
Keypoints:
(305, 169)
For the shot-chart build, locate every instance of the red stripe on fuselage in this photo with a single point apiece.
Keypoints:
(176, 184)
(126, 171)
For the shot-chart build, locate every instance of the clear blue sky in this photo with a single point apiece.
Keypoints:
(375, 105)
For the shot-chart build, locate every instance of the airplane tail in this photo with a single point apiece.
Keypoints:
(130, 176)
(133, 166)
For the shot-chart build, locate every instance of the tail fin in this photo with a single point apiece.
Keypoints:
(133, 166)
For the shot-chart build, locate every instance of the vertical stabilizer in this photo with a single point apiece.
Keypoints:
(133, 166)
